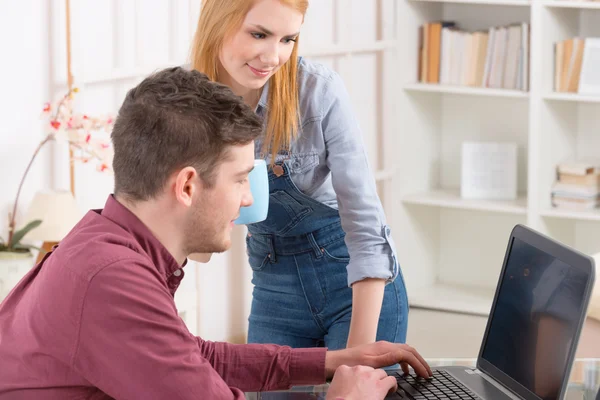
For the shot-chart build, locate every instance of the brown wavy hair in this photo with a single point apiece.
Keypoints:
(176, 118)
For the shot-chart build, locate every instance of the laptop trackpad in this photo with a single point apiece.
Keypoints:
(479, 384)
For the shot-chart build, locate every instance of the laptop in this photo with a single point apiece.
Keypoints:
(532, 332)
(531, 335)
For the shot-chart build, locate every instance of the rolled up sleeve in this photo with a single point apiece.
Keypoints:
(368, 237)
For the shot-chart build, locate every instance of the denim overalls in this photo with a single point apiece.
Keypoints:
(298, 256)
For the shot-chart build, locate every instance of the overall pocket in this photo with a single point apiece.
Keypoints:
(285, 212)
(257, 257)
(337, 251)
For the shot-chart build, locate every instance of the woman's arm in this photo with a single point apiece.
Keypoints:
(367, 297)
(368, 238)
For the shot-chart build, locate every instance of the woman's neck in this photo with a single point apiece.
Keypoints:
(250, 96)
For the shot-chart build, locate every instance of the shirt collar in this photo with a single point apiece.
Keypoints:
(123, 217)
(264, 96)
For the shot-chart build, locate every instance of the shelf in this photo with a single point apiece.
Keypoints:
(466, 90)
(572, 97)
(585, 215)
(522, 3)
(455, 298)
(452, 199)
(572, 4)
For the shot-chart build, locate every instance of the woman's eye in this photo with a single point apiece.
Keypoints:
(257, 35)
(289, 40)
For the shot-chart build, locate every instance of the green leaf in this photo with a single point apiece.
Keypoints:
(29, 247)
(24, 231)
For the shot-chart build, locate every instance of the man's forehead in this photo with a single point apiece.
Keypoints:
(240, 158)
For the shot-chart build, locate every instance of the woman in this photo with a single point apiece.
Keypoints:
(324, 267)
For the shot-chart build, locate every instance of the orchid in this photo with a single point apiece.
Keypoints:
(63, 125)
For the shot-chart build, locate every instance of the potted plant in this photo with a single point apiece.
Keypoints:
(76, 130)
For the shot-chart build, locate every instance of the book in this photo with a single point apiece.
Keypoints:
(497, 57)
(574, 204)
(577, 168)
(575, 191)
(592, 179)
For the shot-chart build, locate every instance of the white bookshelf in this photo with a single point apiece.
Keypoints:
(451, 249)
(524, 3)
(452, 199)
(466, 90)
(591, 215)
(468, 299)
(571, 4)
(573, 97)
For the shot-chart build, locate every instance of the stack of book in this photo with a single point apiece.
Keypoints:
(495, 58)
(577, 186)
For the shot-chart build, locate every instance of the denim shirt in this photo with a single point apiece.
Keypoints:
(328, 163)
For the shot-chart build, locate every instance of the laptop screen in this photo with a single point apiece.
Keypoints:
(536, 318)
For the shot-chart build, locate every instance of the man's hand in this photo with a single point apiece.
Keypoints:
(376, 355)
(360, 383)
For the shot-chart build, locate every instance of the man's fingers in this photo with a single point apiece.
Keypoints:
(405, 368)
(380, 373)
(390, 384)
(421, 360)
(415, 363)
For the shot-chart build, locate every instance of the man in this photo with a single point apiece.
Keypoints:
(96, 318)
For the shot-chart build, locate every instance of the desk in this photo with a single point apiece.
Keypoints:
(583, 383)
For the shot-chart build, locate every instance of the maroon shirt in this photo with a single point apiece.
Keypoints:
(97, 320)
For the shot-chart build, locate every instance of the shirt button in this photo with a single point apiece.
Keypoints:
(177, 272)
(388, 231)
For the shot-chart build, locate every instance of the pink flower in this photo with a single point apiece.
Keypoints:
(79, 131)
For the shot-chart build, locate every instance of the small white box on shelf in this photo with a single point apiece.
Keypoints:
(489, 171)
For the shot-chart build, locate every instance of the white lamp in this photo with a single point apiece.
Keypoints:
(58, 212)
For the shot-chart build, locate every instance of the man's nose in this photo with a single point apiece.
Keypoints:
(247, 199)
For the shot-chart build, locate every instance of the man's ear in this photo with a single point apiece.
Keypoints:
(187, 185)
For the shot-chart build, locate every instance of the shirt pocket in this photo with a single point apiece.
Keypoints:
(301, 163)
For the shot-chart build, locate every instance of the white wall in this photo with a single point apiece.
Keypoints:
(24, 78)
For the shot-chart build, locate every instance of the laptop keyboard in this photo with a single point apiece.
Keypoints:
(441, 386)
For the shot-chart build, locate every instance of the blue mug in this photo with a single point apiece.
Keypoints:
(259, 186)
